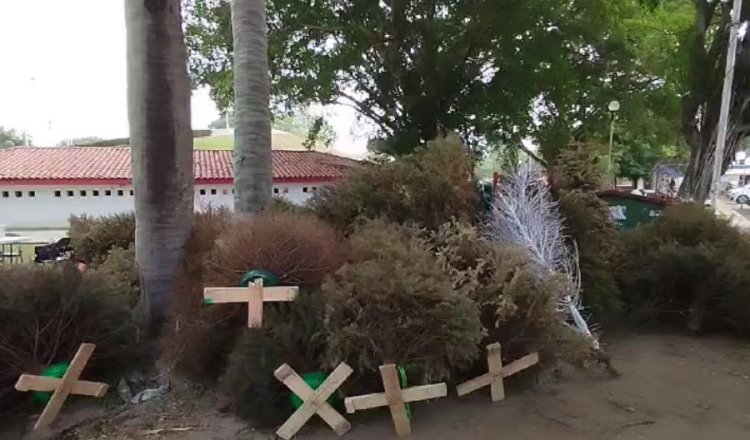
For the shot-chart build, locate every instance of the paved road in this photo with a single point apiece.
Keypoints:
(739, 217)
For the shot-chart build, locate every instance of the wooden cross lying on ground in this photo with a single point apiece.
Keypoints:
(254, 295)
(315, 401)
(394, 398)
(62, 388)
(496, 373)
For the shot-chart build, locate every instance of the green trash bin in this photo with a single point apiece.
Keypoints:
(630, 210)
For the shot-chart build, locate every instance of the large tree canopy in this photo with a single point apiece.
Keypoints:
(493, 70)
(10, 138)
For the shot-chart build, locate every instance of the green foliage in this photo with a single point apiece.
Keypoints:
(315, 129)
(429, 188)
(292, 334)
(10, 138)
(689, 269)
(589, 223)
(392, 303)
(93, 238)
(488, 70)
(46, 312)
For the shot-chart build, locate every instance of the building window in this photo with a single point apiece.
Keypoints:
(132, 192)
(6, 194)
(225, 192)
(58, 193)
(202, 192)
(213, 191)
(275, 190)
(286, 190)
(83, 193)
(95, 193)
(107, 192)
(120, 192)
(69, 193)
(315, 189)
(19, 193)
(32, 193)
(304, 189)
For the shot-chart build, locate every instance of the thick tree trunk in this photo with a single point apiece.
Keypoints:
(161, 143)
(253, 172)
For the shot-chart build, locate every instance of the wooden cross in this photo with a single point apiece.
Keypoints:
(315, 401)
(254, 295)
(496, 373)
(394, 398)
(64, 387)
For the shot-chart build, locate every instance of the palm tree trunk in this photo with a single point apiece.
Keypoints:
(253, 174)
(161, 146)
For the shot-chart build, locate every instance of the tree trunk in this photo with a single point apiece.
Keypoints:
(161, 143)
(253, 172)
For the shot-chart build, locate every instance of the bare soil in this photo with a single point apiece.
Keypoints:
(671, 387)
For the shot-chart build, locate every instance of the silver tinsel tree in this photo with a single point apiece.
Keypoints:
(524, 214)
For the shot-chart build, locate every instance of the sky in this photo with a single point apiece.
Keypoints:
(63, 74)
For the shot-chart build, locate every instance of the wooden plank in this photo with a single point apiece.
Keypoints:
(278, 294)
(82, 387)
(424, 392)
(365, 401)
(521, 364)
(314, 400)
(255, 305)
(495, 366)
(223, 295)
(66, 386)
(392, 388)
(413, 394)
(474, 384)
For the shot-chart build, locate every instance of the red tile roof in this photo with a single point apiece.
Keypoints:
(100, 165)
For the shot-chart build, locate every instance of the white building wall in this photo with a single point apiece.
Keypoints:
(44, 206)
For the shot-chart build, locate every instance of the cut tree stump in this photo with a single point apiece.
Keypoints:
(494, 378)
(395, 398)
(62, 388)
(254, 295)
(314, 401)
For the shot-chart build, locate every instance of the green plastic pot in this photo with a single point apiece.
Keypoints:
(269, 279)
(56, 371)
(314, 380)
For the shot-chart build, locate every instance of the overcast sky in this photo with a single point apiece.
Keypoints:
(62, 74)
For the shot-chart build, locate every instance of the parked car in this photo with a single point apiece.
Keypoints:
(740, 195)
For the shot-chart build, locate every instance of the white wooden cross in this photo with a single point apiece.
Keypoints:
(496, 373)
(62, 388)
(315, 401)
(254, 295)
(395, 398)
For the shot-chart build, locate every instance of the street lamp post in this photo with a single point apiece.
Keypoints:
(613, 107)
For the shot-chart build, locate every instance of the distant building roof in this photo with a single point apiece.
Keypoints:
(111, 165)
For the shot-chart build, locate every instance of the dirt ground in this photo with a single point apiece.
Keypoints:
(671, 387)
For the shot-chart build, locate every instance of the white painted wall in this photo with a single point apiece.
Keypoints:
(45, 206)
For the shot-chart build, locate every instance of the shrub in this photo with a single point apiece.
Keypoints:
(429, 188)
(292, 334)
(120, 265)
(299, 249)
(93, 238)
(688, 268)
(589, 223)
(518, 304)
(47, 312)
(392, 303)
